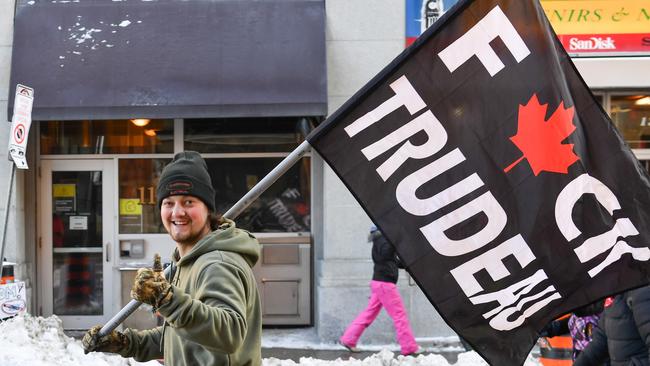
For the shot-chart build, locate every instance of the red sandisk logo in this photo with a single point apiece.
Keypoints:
(591, 43)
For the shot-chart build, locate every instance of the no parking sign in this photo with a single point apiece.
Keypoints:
(20, 123)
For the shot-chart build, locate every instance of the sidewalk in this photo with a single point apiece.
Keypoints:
(330, 355)
(294, 343)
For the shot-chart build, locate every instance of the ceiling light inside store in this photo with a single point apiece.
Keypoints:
(643, 101)
(618, 109)
(140, 122)
(150, 133)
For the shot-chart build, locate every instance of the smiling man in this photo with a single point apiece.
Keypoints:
(211, 305)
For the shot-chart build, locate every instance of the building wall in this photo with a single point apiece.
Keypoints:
(615, 72)
(17, 236)
(6, 39)
(362, 38)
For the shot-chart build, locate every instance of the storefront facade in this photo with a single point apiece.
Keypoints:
(98, 220)
(83, 217)
(123, 87)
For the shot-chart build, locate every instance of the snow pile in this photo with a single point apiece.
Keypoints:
(387, 358)
(37, 341)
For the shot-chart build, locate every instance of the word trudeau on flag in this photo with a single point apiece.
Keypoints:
(488, 164)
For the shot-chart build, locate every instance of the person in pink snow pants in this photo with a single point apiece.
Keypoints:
(384, 293)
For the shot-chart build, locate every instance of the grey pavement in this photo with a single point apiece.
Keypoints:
(330, 355)
(294, 343)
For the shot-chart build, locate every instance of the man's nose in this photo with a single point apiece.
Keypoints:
(178, 211)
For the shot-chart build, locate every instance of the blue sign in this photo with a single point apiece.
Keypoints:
(420, 14)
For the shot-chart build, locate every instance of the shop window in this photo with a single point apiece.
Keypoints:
(76, 209)
(284, 207)
(245, 135)
(137, 136)
(631, 115)
(138, 209)
(77, 243)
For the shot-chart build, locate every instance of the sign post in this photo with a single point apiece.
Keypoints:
(20, 123)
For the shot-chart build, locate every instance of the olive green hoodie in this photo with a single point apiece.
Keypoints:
(214, 316)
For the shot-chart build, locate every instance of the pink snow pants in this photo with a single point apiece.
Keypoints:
(383, 294)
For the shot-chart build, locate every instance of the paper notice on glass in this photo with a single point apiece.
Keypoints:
(20, 123)
(78, 222)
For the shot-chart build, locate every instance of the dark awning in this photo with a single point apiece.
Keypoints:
(101, 59)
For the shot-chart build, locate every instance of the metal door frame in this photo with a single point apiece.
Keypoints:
(45, 257)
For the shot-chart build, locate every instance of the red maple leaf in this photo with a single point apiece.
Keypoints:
(541, 140)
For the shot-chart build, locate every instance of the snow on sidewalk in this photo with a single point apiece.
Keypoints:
(38, 341)
(387, 358)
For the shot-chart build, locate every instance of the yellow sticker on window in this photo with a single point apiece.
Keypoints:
(130, 206)
(63, 190)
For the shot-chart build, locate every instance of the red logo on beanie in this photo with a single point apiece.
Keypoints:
(179, 187)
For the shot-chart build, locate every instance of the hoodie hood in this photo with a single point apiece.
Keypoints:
(227, 238)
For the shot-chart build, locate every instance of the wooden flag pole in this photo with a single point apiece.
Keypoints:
(232, 213)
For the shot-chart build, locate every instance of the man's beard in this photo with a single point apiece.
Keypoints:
(189, 238)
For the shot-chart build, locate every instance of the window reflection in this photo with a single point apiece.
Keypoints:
(245, 135)
(107, 137)
(77, 209)
(77, 242)
(284, 207)
(138, 208)
(78, 287)
(631, 115)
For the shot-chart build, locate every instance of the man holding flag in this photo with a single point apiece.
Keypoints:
(507, 192)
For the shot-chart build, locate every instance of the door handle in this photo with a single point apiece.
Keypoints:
(108, 251)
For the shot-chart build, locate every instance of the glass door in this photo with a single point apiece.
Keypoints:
(76, 241)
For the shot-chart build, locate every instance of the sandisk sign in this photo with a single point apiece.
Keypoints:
(601, 27)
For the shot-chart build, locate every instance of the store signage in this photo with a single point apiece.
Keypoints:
(63, 198)
(63, 190)
(78, 222)
(601, 27)
(20, 123)
(130, 206)
(147, 195)
(585, 28)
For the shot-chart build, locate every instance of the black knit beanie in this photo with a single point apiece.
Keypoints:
(187, 175)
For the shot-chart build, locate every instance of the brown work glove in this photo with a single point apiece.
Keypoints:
(151, 287)
(114, 342)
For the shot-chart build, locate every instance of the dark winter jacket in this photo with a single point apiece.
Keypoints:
(214, 316)
(623, 332)
(384, 257)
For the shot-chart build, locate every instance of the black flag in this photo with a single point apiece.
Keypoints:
(505, 188)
